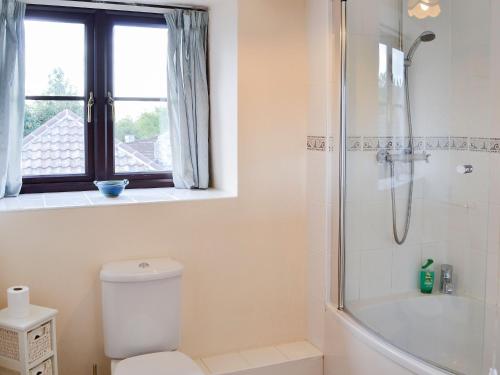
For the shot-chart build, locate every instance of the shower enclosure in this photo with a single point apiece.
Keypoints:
(420, 176)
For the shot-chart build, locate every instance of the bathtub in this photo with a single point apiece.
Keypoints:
(410, 335)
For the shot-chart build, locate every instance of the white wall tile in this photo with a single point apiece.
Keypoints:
(318, 109)
(405, 266)
(352, 274)
(458, 225)
(319, 39)
(299, 350)
(478, 187)
(475, 274)
(316, 177)
(375, 226)
(456, 256)
(316, 274)
(77, 199)
(494, 179)
(297, 358)
(201, 365)
(226, 363)
(436, 184)
(263, 356)
(316, 227)
(309, 366)
(491, 286)
(478, 227)
(23, 202)
(436, 251)
(494, 228)
(375, 278)
(315, 322)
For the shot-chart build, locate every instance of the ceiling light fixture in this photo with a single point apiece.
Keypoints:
(423, 8)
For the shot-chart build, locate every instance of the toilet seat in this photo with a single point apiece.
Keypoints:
(164, 363)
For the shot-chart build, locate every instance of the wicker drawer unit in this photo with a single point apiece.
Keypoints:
(45, 368)
(9, 344)
(39, 342)
(28, 345)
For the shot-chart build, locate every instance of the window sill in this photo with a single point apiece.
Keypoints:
(26, 202)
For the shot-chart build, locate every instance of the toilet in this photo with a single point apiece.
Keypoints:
(141, 318)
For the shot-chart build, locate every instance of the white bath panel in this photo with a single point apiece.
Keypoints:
(297, 358)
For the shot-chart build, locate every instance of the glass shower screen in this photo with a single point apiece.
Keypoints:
(422, 177)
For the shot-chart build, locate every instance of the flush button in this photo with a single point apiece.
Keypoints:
(144, 265)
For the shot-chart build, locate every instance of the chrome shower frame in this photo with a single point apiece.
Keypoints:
(343, 155)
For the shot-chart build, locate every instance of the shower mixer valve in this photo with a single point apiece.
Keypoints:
(406, 156)
(446, 279)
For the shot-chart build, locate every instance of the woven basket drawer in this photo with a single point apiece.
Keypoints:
(9, 344)
(45, 368)
(40, 342)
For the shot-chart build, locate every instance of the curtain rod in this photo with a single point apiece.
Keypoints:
(113, 5)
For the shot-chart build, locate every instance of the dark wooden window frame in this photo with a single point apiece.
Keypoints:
(99, 80)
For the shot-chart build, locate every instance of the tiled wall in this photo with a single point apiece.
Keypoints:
(455, 85)
(322, 178)
(453, 218)
(455, 89)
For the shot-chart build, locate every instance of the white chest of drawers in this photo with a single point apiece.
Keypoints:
(28, 345)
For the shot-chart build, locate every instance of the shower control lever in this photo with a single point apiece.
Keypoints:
(386, 156)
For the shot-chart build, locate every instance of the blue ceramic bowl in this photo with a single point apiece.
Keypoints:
(111, 189)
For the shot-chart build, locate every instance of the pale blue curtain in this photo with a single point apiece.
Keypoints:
(188, 101)
(11, 95)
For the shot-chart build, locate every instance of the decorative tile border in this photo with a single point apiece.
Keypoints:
(459, 143)
(358, 143)
(479, 144)
(419, 143)
(354, 143)
(495, 145)
(318, 143)
(437, 143)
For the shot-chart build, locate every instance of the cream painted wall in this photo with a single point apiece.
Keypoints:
(245, 258)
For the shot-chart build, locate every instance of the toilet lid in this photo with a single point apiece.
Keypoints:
(165, 363)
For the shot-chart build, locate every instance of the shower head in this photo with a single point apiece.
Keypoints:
(426, 36)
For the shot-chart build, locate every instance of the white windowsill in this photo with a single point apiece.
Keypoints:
(46, 201)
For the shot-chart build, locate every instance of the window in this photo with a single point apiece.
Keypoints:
(96, 99)
(140, 87)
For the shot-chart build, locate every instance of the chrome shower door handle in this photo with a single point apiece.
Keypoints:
(111, 102)
(90, 105)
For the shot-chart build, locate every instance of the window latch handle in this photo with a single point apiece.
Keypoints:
(90, 105)
(111, 103)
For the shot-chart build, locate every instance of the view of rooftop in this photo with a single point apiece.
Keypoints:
(58, 148)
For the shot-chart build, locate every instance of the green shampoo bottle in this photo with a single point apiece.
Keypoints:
(427, 277)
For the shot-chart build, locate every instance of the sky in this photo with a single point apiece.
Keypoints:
(139, 54)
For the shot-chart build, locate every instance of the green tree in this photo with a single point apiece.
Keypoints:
(147, 126)
(59, 85)
(38, 112)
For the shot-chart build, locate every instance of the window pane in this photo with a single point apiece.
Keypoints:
(54, 138)
(140, 61)
(142, 138)
(55, 58)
